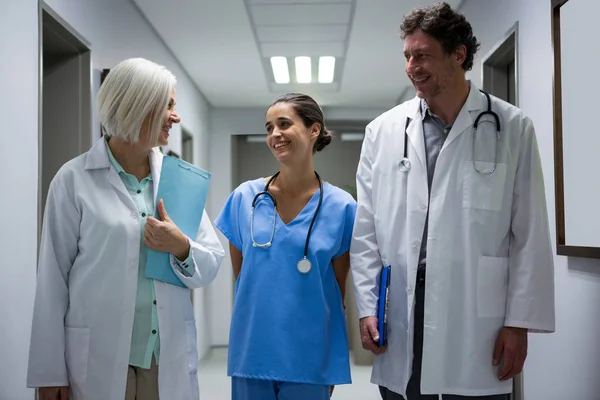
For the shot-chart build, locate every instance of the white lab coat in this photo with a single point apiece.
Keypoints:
(489, 255)
(86, 287)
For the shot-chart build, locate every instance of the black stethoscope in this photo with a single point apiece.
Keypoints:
(304, 265)
(405, 163)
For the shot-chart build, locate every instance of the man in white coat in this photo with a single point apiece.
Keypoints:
(451, 196)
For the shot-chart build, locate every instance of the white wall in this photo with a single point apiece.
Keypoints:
(18, 193)
(563, 365)
(225, 123)
(116, 30)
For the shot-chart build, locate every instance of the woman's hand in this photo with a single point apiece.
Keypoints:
(165, 236)
(54, 393)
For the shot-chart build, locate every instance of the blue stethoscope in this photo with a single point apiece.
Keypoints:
(405, 163)
(304, 265)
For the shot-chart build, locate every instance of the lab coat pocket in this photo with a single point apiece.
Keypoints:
(77, 350)
(191, 349)
(492, 287)
(483, 191)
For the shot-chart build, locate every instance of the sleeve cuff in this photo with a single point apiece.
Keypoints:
(186, 266)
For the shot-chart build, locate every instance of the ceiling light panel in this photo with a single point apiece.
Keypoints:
(281, 71)
(326, 69)
(303, 69)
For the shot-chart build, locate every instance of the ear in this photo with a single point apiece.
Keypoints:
(315, 130)
(460, 55)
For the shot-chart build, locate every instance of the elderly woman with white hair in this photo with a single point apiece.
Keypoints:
(102, 329)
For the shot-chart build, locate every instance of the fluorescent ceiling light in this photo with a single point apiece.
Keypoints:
(326, 68)
(281, 72)
(303, 71)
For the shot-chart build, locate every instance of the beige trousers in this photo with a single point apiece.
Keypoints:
(142, 384)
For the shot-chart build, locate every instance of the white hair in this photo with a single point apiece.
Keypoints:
(133, 90)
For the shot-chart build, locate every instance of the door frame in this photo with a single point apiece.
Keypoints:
(86, 88)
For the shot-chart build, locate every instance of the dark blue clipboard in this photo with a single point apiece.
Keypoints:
(382, 307)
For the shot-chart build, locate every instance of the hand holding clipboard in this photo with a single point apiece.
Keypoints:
(373, 329)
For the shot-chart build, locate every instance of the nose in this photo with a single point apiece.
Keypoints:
(175, 117)
(411, 66)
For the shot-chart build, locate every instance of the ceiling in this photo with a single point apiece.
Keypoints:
(225, 46)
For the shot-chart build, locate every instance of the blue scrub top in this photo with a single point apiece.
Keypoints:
(288, 326)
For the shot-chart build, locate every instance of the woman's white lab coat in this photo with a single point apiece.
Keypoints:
(86, 287)
(489, 256)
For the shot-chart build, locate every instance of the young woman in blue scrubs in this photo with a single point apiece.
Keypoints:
(289, 239)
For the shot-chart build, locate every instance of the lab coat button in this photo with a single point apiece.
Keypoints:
(133, 215)
(423, 206)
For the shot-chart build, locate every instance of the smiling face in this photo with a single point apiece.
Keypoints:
(430, 69)
(170, 117)
(287, 136)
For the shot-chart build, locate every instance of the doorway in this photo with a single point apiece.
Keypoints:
(499, 77)
(187, 145)
(499, 72)
(65, 128)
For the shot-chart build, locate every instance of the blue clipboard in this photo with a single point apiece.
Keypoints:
(183, 188)
(382, 307)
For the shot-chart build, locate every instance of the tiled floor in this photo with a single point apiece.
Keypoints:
(215, 384)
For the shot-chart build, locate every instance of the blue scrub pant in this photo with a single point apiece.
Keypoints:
(258, 389)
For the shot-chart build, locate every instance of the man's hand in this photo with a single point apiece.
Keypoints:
(369, 335)
(511, 348)
(54, 393)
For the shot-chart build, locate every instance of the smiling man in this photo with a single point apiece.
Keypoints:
(451, 197)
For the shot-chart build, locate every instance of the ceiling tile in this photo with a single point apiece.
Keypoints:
(263, 2)
(301, 14)
(335, 49)
(311, 33)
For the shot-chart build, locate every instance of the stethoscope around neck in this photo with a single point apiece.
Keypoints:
(405, 162)
(304, 265)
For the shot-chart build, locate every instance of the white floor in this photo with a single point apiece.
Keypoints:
(216, 385)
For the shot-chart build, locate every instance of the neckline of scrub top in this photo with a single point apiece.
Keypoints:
(304, 210)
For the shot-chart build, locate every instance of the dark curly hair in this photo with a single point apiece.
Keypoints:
(450, 28)
(309, 112)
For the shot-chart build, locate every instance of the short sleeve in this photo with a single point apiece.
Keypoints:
(348, 226)
(228, 221)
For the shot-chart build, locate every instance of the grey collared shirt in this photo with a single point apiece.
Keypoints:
(435, 132)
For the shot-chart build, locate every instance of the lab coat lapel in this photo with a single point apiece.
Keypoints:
(156, 158)
(98, 159)
(467, 115)
(415, 132)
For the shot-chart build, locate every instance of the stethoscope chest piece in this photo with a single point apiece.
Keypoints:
(304, 265)
(405, 165)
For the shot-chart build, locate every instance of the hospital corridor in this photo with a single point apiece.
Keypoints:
(299, 200)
